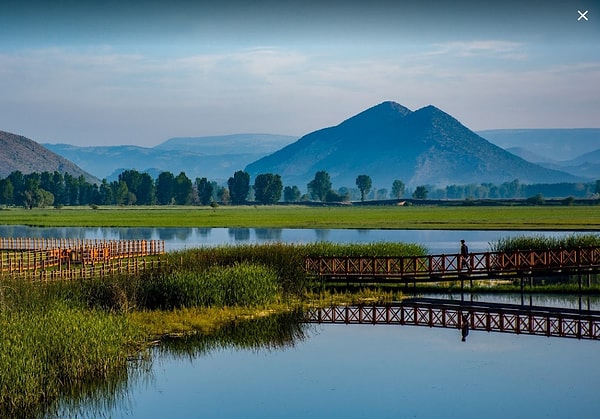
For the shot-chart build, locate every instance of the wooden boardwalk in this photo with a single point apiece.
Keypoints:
(435, 268)
(465, 316)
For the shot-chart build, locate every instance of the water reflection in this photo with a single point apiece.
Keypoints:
(272, 332)
(468, 316)
(176, 238)
(100, 399)
(465, 327)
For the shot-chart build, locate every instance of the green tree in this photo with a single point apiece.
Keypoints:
(183, 189)
(165, 188)
(223, 195)
(6, 192)
(205, 190)
(420, 192)
(598, 187)
(537, 199)
(267, 188)
(239, 186)
(398, 189)
(319, 186)
(333, 196)
(291, 194)
(122, 194)
(364, 183)
(71, 190)
(107, 196)
(140, 184)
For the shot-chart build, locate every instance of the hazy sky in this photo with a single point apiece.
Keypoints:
(139, 72)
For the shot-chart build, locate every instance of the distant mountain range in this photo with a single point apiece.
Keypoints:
(27, 156)
(549, 144)
(576, 151)
(216, 157)
(389, 142)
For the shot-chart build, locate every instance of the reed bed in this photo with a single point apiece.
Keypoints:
(52, 347)
(541, 242)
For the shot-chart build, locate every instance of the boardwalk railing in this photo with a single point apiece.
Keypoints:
(116, 267)
(32, 254)
(506, 318)
(454, 266)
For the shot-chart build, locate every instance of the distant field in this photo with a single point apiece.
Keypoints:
(415, 217)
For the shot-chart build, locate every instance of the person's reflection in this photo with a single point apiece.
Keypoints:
(465, 327)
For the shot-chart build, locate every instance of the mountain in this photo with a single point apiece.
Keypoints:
(530, 156)
(586, 165)
(216, 157)
(552, 144)
(389, 141)
(228, 144)
(27, 156)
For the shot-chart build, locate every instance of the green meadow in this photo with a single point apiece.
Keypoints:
(377, 217)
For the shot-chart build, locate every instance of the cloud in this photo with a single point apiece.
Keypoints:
(132, 97)
(478, 48)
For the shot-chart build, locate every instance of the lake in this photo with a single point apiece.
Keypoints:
(437, 241)
(366, 371)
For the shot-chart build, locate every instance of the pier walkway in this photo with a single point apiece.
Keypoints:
(435, 268)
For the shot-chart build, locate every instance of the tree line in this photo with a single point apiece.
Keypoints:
(138, 188)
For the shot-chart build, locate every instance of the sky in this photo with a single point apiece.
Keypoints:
(140, 72)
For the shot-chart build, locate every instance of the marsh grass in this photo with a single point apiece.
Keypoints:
(52, 347)
(541, 242)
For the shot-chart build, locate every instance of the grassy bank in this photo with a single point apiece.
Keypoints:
(414, 217)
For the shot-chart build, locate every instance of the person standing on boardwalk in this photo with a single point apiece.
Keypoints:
(464, 255)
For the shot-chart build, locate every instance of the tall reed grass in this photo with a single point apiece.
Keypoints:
(540, 241)
(51, 347)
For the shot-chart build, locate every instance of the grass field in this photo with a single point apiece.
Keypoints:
(568, 218)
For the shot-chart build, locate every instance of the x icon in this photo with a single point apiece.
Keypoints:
(582, 15)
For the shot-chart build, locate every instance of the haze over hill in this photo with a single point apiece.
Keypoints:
(389, 142)
(27, 156)
(215, 157)
(557, 144)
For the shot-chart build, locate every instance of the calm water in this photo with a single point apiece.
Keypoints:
(266, 369)
(365, 371)
(437, 241)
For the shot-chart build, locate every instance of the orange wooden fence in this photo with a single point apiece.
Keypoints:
(19, 255)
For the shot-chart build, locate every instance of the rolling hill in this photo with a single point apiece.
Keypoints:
(389, 142)
(27, 156)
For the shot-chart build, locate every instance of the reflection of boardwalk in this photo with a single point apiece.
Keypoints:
(491, 317)
(431, 268)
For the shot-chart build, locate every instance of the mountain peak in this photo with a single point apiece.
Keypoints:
(384, 113)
